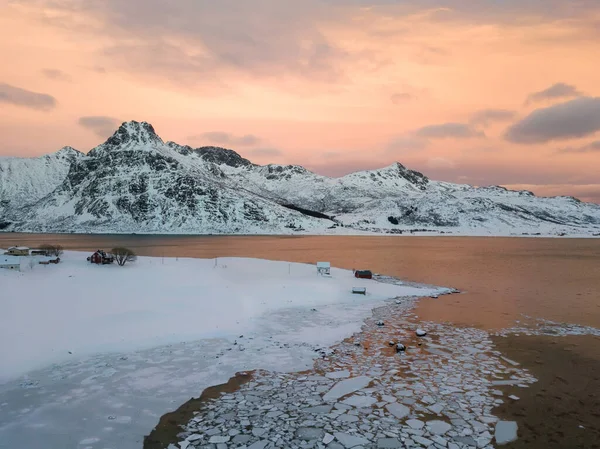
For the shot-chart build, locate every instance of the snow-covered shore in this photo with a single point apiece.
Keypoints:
(96, 354)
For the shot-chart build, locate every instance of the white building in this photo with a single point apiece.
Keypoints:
(10, 263)
(324, 268)
(18, 251)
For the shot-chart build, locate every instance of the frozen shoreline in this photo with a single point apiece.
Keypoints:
(595, 233)
(112, 389)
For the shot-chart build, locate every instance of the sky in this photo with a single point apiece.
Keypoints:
(486, 92)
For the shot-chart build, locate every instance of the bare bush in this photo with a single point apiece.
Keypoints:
(123, 255)
(51, 250)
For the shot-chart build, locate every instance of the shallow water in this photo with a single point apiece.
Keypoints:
(503, 278)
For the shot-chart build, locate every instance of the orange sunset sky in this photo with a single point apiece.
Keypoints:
(471, 91)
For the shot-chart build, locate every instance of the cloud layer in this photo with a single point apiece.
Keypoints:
(576, 118)
(101, 125)
(591, 147)
(448, 130)
(558, 90)
(225, 138)
(266, 152)
(21, 97)
(487, 116)
(55, 74)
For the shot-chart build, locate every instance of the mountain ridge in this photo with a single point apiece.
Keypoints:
(136, 182)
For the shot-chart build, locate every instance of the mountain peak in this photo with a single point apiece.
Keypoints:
(69, 150)
(66, 153)
(134, 132)
(396, 169)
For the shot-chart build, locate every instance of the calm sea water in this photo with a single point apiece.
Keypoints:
(502, 278)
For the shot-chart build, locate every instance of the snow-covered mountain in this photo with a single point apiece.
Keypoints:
(25, 180)
(135, 182)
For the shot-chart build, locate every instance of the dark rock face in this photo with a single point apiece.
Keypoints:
(181, 149)
(218, 155)
(286, 172)
(414, 177)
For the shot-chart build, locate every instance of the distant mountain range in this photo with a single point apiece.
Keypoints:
(136, 183)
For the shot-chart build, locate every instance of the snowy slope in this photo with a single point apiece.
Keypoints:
(135, 182)
(26, 180)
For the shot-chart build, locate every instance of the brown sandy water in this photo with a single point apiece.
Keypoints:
(562, 409)
(169, 425)
(501, 279)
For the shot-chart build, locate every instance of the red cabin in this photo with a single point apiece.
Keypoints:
(96, 258)
(100, 257)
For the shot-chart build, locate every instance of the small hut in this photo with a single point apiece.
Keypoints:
(363, 274)
(324, 268)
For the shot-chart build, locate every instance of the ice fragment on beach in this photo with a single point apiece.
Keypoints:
(389, 443)
(346, 387)
(241, 439)
(420, 333)
(415, 423)
(259, 444)
(219, 439)
(513, 397)
(318, 409)
(506, 382)
(338, 374)
(422, 441)
(309, 433)
(360, 401)
(436, 408)
(437, 427)
(398, 410)
(506, 431)
(512, 362)
(328, 438)
(348, 418)
(348, 440)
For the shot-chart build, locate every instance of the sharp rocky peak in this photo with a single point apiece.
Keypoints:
(398, 170)
(133, 132)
